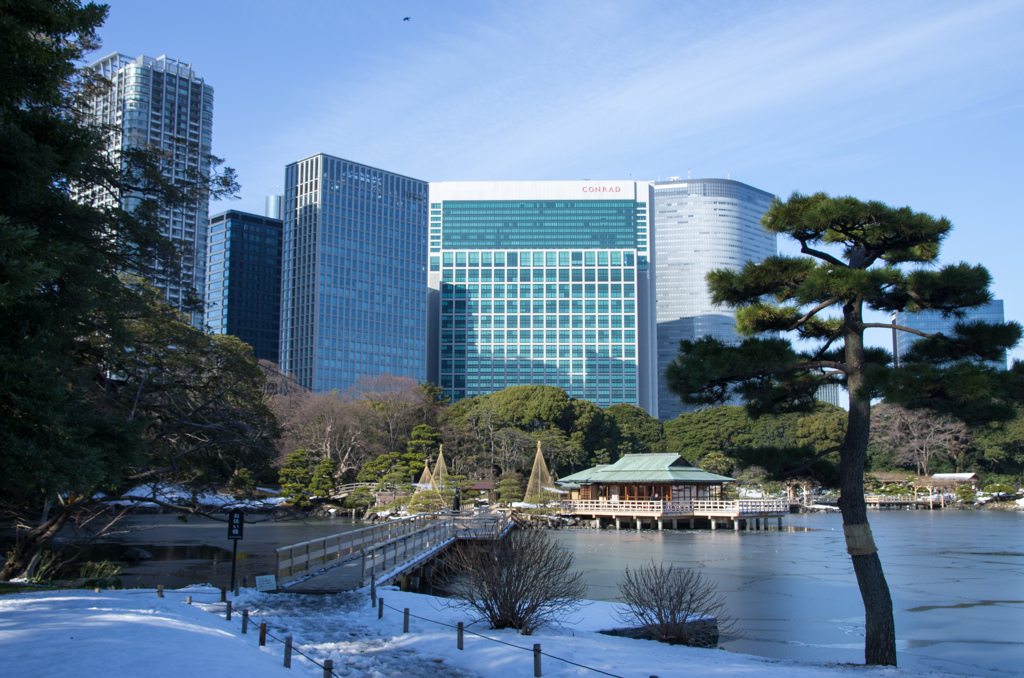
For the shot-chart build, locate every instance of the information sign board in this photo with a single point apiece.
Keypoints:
(236, 522)
(266, 582)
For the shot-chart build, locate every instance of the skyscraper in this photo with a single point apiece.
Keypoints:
(243, 286)
(542, 282)
(354, 281)
(700, 225)
(161, 103)
(932, 322)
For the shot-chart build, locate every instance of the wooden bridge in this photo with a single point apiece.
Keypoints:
(382, 553)
(895, 501)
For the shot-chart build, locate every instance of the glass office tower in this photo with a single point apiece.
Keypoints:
(933, 322)
(243, 282)
(354, 281)
(700, 225)
(543, 282)
(163, 104)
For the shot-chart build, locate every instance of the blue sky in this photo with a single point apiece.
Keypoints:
(911, 103)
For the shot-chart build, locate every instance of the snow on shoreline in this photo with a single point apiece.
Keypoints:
(136, 633)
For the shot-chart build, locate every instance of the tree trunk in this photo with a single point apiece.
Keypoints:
(879, 627)
(32, 542)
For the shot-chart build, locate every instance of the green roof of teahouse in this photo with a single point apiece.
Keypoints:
(644, 468)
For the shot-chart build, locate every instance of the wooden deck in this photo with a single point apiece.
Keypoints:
(347, 561)
(697, 508)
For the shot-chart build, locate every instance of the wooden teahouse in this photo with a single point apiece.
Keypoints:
(660, 486)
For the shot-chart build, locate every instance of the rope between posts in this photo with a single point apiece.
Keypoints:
(502, 642)
(295, 648)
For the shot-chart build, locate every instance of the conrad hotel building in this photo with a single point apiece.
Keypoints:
(542, 282)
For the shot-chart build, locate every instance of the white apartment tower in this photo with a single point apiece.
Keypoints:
(161, 103)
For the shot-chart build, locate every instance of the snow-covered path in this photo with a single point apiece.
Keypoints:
(135, 633)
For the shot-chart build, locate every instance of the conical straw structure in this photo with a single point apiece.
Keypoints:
(440, 472)
(426, 479)
(541, 488)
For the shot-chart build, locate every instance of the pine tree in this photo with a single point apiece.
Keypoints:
(296, 477)
(857, 256)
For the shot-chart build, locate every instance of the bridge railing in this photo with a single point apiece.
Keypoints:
(295, 559)
(349, 488)
(893, 498)
(390, 538)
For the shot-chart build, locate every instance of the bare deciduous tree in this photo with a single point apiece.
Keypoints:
(393, 404)
(917, 436)
(674, 605)
(521, 582)
(513, 449)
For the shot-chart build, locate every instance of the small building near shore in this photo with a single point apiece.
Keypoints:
(645, 477)
(655, 487)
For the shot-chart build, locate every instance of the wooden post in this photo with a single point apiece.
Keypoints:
(223, 595)
(287, 652)
(373, 590)
(188, 600)
(328, 668)
(236, 585)
(460, 635)
(263, 633)
(159, 590)
(228, 616)
(245, 581)
(536, 660)
(245, 621)
(405, 622)
(380, 608)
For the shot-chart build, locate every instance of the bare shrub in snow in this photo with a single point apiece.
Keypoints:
(522, 581)
(673, 605)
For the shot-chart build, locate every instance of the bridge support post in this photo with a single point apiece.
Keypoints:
(714, 524)
(618, 525)
(661, 525)
(780, 523)
(691, 523)
(736, 525)
(675, 524)
(597, 523)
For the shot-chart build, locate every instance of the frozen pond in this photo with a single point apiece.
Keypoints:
(956, 578)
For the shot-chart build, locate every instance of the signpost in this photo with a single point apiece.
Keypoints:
(236, 525)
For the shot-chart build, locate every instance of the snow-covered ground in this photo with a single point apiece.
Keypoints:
(135, 633)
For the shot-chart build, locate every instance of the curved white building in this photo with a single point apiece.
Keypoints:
(700, 225)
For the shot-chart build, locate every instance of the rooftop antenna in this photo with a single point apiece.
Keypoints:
(687, 172)
(727, 174)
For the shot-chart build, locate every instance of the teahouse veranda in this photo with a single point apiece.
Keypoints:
(655, 487)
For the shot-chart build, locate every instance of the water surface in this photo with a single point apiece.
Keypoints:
(956, 578)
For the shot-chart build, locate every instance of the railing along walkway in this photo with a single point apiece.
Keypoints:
(343, 562)
(678, 509)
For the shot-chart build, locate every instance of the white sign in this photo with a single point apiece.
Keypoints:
(266, 582)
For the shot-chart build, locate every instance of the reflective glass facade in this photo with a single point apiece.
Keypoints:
(933, 322)
(163, 104)
(243, 281)
(700, 225)
(533, 284)
(354, 280)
